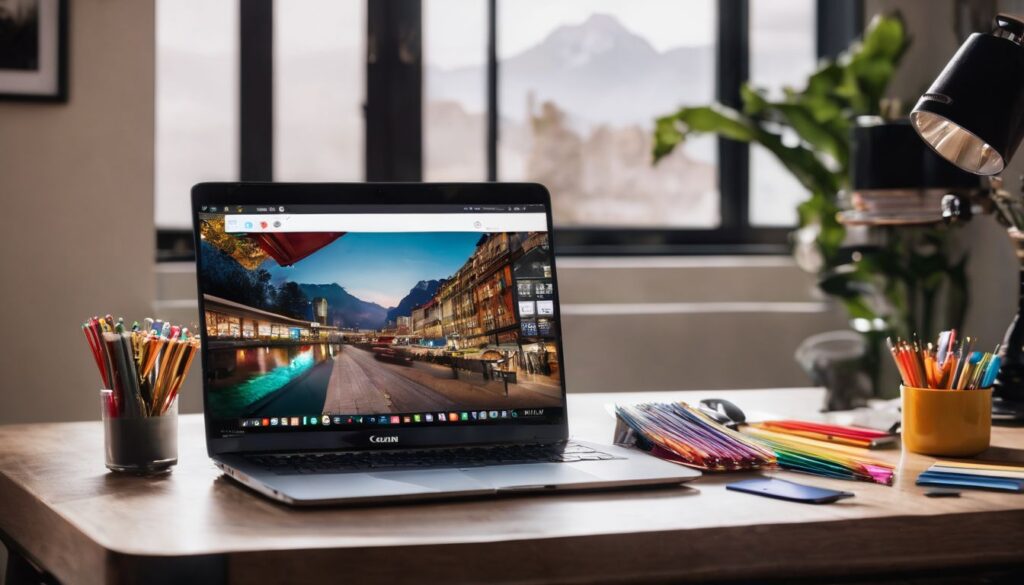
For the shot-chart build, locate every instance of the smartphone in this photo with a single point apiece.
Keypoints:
(787, 490)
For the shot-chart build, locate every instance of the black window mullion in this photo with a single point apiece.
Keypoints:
(256, 90)
(838, 23)
(394, 91)
(492, 90)
(732, 66)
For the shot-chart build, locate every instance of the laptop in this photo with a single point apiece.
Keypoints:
(388, 342)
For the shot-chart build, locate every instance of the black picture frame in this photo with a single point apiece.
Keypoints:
(58, 65)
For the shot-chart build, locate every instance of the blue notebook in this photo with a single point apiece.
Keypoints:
(964, 480)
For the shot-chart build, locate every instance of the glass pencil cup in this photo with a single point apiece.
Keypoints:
(140, 445)
(946, 423)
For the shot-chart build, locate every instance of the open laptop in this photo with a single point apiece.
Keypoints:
(379, 342)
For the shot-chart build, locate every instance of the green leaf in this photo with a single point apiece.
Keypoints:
(670, 131)
(666, 137)
(885, 38)
(821, 136)
(869, 65)
(724, 121)
(824, 81)
(718, 119)
(840, 283)
(754, 101)
(858, 308)
(825, 109)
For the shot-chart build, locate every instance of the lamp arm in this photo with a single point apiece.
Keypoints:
(1005, 206)
(1009, 207)
(1003, 211)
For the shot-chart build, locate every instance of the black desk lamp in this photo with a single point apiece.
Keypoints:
(973, 116)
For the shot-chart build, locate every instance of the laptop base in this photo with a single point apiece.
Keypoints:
(627, 469)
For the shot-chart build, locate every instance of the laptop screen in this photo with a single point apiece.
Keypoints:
(350, 317)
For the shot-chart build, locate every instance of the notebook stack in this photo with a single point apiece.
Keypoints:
(982, 476)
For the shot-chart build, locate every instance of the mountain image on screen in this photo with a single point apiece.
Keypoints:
(419, 294)
(346, 310)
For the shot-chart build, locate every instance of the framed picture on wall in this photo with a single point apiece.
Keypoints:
(33, 50)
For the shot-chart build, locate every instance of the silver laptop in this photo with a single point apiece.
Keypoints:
(382, 342)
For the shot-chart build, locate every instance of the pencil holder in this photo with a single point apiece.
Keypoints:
(946, 423)
(141, 445)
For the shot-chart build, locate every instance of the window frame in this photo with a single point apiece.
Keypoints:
(393, 114)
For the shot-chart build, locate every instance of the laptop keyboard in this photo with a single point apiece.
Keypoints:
(426, 458)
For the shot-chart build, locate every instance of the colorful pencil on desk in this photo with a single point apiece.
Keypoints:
(683, 434)
(820, 458)
(680, 433)
(830, 433)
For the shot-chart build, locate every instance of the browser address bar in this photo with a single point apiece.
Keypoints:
(386, 222)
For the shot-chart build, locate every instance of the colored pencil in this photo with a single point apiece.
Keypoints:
(943, 365)
(142, 367)
(680, 433)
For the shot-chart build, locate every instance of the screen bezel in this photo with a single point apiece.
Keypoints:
(245, 193)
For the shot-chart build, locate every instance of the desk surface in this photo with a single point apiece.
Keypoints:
(82, 524)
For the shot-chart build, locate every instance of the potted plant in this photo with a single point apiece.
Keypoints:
(894, 281)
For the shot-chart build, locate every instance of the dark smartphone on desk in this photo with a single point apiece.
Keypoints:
(786, 490)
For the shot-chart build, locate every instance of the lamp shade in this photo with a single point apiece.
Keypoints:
(973, 114)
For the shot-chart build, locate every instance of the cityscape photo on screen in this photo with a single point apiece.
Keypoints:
(309, 323)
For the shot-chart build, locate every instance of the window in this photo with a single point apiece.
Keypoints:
(454, 90)
(196, 102)
(562, 92)
(319, 72)
(782, 54)
(581, 84)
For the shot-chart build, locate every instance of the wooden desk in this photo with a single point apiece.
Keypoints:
(60, 507)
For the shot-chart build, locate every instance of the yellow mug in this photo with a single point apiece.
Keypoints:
(946, 423)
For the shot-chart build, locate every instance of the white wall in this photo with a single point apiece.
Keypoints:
(76, 182)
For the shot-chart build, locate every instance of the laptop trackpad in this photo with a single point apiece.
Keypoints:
(433, 480)
(533, 476)
(374, 486)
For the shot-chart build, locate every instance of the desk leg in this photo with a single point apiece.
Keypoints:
(21, 572)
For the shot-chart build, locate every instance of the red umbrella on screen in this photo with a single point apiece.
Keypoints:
(287, 248)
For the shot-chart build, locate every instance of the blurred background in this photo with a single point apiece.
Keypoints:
(679, 275)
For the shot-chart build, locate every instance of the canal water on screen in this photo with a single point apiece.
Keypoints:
(244, 376)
